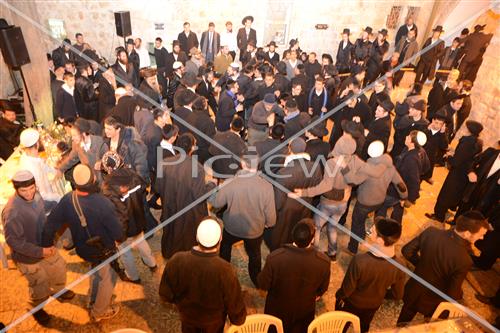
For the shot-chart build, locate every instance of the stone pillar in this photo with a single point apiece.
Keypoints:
(486, 91)
(36, 73)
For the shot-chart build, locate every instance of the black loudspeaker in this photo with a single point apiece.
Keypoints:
(14, 51)
(122, 23)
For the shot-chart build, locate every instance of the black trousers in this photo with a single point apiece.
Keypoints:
(423, 72)
(252, 248)
(365, 315)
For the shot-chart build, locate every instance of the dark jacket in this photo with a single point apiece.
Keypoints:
(205, 289)
(436, 146)
(449, 58)
(86, 99)
(152, 138)
(296, 124)
(101, 219)
(182, 113)
(344, 57)
(242, 40)
(411, 165)
(294, 277)
(202, 121)
(379, 129)
(226, 112)
(132, 150)
(403, 126)
(129, 207)
(317, 102)
(161, 58)
(206, 90)
(311, 71)
(187, 42)
(124, 77)
(362, 50)
(475, 45)
(235, 144)
(272, 60)
(107, 98)
(60, 58)
(275, 159)
(403, 32)
(173, 85)
(441, 258)
(9, 137)
(125, 109)
(65, 105)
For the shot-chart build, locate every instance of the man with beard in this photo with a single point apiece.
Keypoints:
(362, 47)
(63, 54)
(124, 70)
(182, 183)
(133, 57)
(10, 130)
(405, 29)
(345, 53)
(177, 55)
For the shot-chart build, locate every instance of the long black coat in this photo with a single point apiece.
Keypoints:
(344, 57)
(435, 99)
(379, 129)
(152, 138)
(441, 258)
(9, 137)
(202, 121)
(460, 165)
(242, 40)
(86, 99)
(107, 98)
(125, 109)
(362, 50)
(123, 77)
(290, 211)
(179, 189)
(65, 105)
(206, 90)
(226, 112)
(294, 277)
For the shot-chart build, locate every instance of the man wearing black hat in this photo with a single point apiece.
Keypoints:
(263, 116)
(124, 69)
(374, 63)
(473, 48)
(460, 165)
(246, 34)
(187, 39)
(407, 47)
(23, 218)
(449, 111)
(380, 127)
(428, 59)
(95, 228)
(133, 56)
(63, 54)
(290, 298)
(370, 277)
(345, 53)
(315, 146)
(363, 46)
(228, 106)
(86, 97)
(437, 143)
(414, 120)
(271, 55)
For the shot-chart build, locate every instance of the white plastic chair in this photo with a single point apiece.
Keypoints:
(455, 311)
(334, 322)
(257, 323)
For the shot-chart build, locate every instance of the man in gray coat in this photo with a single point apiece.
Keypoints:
(372, 190)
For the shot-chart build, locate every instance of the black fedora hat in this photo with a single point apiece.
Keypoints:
(248, 17)
(438, 28)
(368, 30)
(273, 43)
(346, 31)
(130, 41)
(383, 32)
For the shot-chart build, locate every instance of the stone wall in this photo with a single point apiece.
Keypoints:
(486, 92)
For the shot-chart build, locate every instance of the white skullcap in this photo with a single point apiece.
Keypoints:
(29, 137)
(120, 91)
(421, 138)
(22, 176)
(376, 149)
(208, 233)
(177, 65)
(235, 65)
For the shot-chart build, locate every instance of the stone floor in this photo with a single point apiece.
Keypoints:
(142, 308)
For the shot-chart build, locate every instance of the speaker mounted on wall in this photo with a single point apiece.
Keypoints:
(122, 23)
(14, 51)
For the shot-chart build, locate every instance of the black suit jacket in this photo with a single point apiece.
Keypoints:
(182, 113)
(207, 91)
(107, 98)
(242, 39)
(187, 43)
(59, 57)
(129, 76)
(274, 59)
(344, 57)
(65, 105)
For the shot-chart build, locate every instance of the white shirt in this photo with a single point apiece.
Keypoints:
(290, 158)
(144, 60)
(494, 167)
(229, 39)
(168, 146)
(123, 66)
(86, 146)
(41, 172)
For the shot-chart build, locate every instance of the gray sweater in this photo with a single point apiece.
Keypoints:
(23, 223)
(250, 205)
(372, 190)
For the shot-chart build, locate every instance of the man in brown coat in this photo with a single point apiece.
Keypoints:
(442, 259)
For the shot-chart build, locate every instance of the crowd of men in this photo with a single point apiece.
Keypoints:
(235, 151)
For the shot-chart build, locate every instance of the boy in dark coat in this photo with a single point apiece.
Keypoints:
(295, 276)
(65, 100)
(437, 144)
(369, 275)
(440, 257)
(460, 166)
(345, 53)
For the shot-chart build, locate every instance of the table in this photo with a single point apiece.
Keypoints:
(457, 325)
